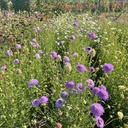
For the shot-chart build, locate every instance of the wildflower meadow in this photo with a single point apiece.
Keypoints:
(64, 68)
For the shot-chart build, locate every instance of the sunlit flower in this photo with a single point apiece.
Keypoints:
(107, 68)
(8, 52)
(92, 35)
(103, 94)
(53, 54)
(95, 90)
(43, 99)
(37, 56)
(81, 68)
(32, 82)
(80, 87)
(3, 67)
(72, 37)
(64, 94)
(18, 46)
(16, 61)
(59, 103)
(66, 59)
(90, 83)
(92, 69)
(75, 23)
(36, 102)
(99, 122)
(70, 84)
(120, 115)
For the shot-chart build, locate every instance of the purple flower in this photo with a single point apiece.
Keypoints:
(80, 87)
(53, 54)
(37, 56)
(16, 61)
(36, 102)
(66, 59)
(103, 94)
(34, 40)
(81, 68)
(32, 82)
(36, 45)
(70, 84)
(59, 103)
(61, 42)
(74, 54)
(43, 99)
(81, 30)
(8, 52)
(75, 23)
(102, 87)
(88, 49)
(64, 94)
(37, 29)
(99, 122)
(72, 37)
(3, 67)
(107, 68)
(92, 69)
(97, 109)
(40, 51)
(18, 46)
(90, 83)
(92, 35)
(95, 90)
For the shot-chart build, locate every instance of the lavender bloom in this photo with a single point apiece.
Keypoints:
(90, 83)
(103, 94)
(88, 49)
(16, 61)
(8, 52)
(81, 68)
(70, 84)
(66, 59)
(18, 46)
(107, 68)
(74, 54)
(75, 23)
(59, 103)
(99, 122)
(35, 45)
(72, 37)
(92, 69)
(34, 40)
(97, 109)
(95, 90)
(80, 87)
(32, 82)
(61, 42)
(35, 102)
(3, 67)
(102, 87)
(37, 56)
(37, 29)
(40, 51)
(92, 35)
(64, 94)
(53, 54)
(43, 99)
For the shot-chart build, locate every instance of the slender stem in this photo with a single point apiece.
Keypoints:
(110, 121)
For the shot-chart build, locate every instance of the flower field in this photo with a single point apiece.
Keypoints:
(65, 71)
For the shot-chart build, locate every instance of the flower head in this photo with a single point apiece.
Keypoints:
(40, 51)
(107, 68)
(72, 37)
(18, 46)
(35, 102)
(64, 94)
(99, 122)
(92, 35)
(80, 87)
(59, 103)
(37, 56)
(53, 54)
(90, 83)
(37, 29)
(70, 84)
(120, 115)
(75, 23)
(3, 67)
(92, 69)
(34, 40)
(32, 82)
(36, 45)
(74, 54)
(97, 109)
(16, 61)
(102, 87)
(88, 49)
(103, 94)
(43, 99)
(95, 90)
(81, 68)
(8, 52)
(66, 59)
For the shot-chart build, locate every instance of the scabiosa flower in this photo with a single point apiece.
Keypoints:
(107, 68)
(36, 45)
(66, 59)
(97, 109)
(72, 37)
(92, 35)
(102, 87)
(80, 87)
(59, 103)
(81, 68)
(43, 99)
(92, 69)
(18, 46)
(32, 82)
(103, 94)
(74, 54)
(34, 40)
(70, 84)
(40, 51)
(3, 67)
(88, 49)
(99, 122)
(8, 52)
(90, 83)
(61, 42)
(95, 90)
(64, 94)
(37, 56)
(37, 29)
(16, 61)
(36, 102)
(75, 23)
(53, 54)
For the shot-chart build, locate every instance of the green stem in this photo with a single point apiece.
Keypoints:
(110, 121)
